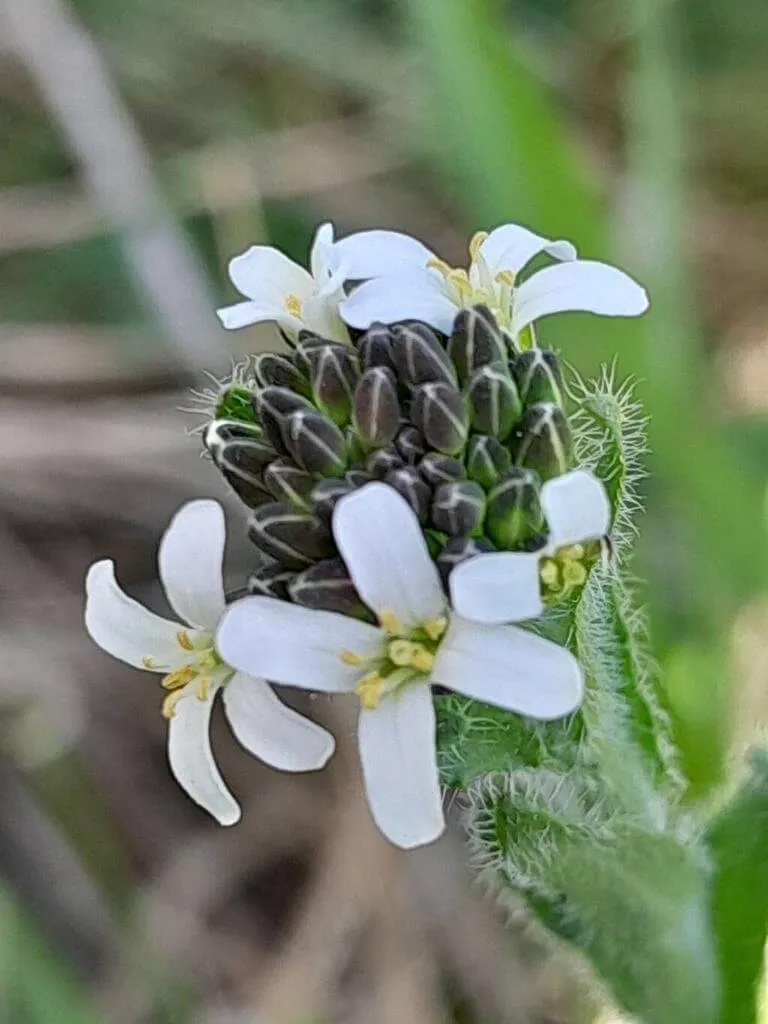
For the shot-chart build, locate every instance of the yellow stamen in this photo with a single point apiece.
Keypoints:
(178, 678)
(350, 658)
(184, 640)
(475, 242)
(549, 573)
(458, 278)
(401, 652)
(506, 277)
(422, 659)
(203, 687)
(574, 573)
(389, 621)
(440, 265)
(572, 553)
(147, 662)
(169, 703)
(293, 304)
(369, 689)
(434, 628)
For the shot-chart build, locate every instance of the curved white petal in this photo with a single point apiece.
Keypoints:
(320, 312)
(382, 545)
(502, 586)
(267, 275)
(511, 247)
(583, 285)
(191, 760)
(123, 627)
(508, 667)
(190, 562)
(296, 646)
(272, 731)
(398, 755)
(576, 507)
(244, 314)
(380, 253)
(322, 253)
(417, 295)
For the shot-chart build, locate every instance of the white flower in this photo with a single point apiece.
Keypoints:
(505, 586)
(391, 666)
(279, 289)
(190, 564)
(407, 281)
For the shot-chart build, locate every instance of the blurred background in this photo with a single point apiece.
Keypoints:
(144, 143)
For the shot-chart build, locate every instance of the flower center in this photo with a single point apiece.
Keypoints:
(405, 655)
(293, 304)
(201, 666)
(565, 571)
(478, 285)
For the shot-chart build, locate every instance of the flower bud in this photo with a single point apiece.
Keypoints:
(410, 444)
(376, 405)
(235, 402)
(458, 508)
(514, 515)
(325, 496)
(487, 460)
(219, 431)
(457, 550)
(383, 461)
(494, 403)
(441, 469)
(242, 464)
(327, 586)
(275, 370)
(274, 406)
(316, 443)
(538, 376)
(271, 581)
(438, 411)
(333, 372)
(420, 357)
(544, 441)
(476, 340)
(375, 348)
(409, 483)
(291, 536)
(287, 482)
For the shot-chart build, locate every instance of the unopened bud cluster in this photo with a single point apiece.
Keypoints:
(465, 428)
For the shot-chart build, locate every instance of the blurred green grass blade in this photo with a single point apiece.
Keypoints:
(738, 838)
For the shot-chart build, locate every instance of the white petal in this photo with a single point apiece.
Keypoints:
(191, 760)
(266, 275)
(499, 587)
(415, 296)
(322, 255)
(244, 314)
(382, 545)
(123, 627)
(577, 508)
(398, 755)
(190, 562)
(380, 253)
(582, 285)
(508, 667)
(320, 312)
(511, 246)
(272, 731)
(296, 646)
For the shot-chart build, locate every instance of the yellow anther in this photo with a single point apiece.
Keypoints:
(574, 573)
(460, 281)
(401, 652)
(350, 658)
(180, 677)
(293, 304)
(422, 659)
(475, 242)
(184, 640)
(572, 553)
(389, 622)
(369, 689)
(203, 687)
(505, 277)
(434, 628)
(549, 573)
(169, 703)
(147, 662)
(440, 266)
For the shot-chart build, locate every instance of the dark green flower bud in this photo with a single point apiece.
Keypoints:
(235, 402)
(275, 370)
(384, 461)
(409, 483)
(476, 340)
(494, 403)
(538, 376)
(457, 550)
(219, 431)
(410, 444)
(544, 441)
(375, 348)
(458, 508)
(325, 497)
(287, 482)
(327, 585)
(487, 460)
(316, 443)
(438, 411)
(333, 372)
(271, 581)
(420, 357)
(291, 536)
(513, 515)
(242, 463)
(274, 406)
(377, 408)
(441, 469)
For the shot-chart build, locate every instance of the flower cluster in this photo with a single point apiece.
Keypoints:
(407, 466)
